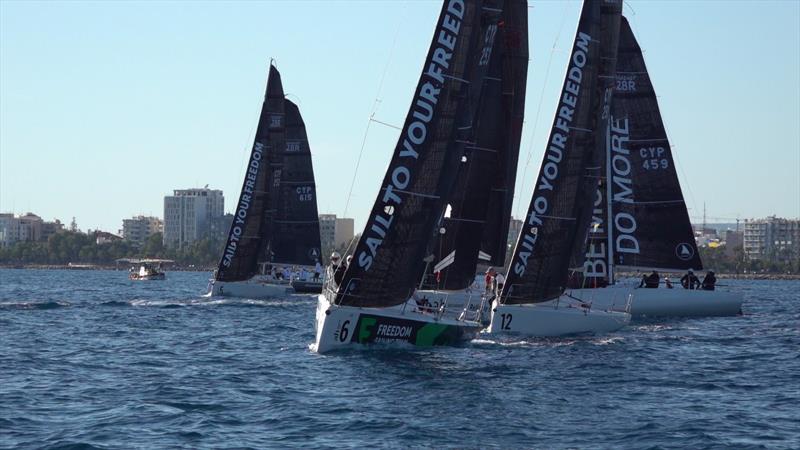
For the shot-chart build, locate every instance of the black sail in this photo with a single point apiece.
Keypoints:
(481, 202)
(553, 236)
(294, 237)
(247, 234)
(651, 227)
(387, 259)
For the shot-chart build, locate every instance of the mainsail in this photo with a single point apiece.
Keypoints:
(553, 236)
(649, 226)
(387, 259)
(294, 237)
(481, 201)
(276, 215)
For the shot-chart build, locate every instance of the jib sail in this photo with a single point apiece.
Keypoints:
(553, 236)
(387, 259)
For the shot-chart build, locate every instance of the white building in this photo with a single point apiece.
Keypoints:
(27, 227)
(188, 214)
(773, 239)
(138, 229)
(335, 232)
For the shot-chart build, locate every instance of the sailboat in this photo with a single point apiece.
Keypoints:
(275, 228)
(534, 300)
(374, 302)
(480, 204)
(641, 218)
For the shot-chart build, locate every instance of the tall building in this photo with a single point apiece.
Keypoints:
(772, 239)
(138, 229)
(188, 214)
(335, 232)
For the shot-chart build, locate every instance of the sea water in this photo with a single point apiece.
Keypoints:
(89, 359)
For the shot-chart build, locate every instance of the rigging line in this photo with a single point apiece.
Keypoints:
(521, 180)
(374, 110)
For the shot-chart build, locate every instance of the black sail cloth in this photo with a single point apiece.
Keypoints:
(553, 236)
(276, 214)
(387, 259)
(481, 201)
(649, 226)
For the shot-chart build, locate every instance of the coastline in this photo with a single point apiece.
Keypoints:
(191, 268)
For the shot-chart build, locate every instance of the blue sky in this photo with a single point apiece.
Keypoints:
(105, 107)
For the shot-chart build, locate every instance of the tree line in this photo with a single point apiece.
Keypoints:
(75, 247)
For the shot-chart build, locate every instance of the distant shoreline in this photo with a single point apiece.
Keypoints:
(119, 268)
(727, 276)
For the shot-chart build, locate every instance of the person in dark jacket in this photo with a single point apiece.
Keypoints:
(650, 281)
(709, 281)
(338, 275)
(690, 281)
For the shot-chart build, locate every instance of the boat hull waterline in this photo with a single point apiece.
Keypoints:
(663, 302)
(250, 289)
(550, 319)
(341, 326)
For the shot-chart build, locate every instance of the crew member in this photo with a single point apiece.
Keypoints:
(489, 278)
(667, 283)
(650, 281)
(333, 267)
(338, 275)
(499, 281)
(690, 281)
(317, 270)
(709, 281)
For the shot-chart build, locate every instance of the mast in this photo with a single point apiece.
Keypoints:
(553, 238)
(389, 255)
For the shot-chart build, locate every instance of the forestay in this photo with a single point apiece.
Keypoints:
(553, 236)
(650, 227)
(387, 259)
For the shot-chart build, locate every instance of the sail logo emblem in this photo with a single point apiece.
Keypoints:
(684, 251)
(313, 254)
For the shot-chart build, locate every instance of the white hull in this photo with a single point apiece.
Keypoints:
(250, 289)
(663, 302)
(341, 326)
(555, 318)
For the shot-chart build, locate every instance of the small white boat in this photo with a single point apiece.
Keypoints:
(149, 269)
